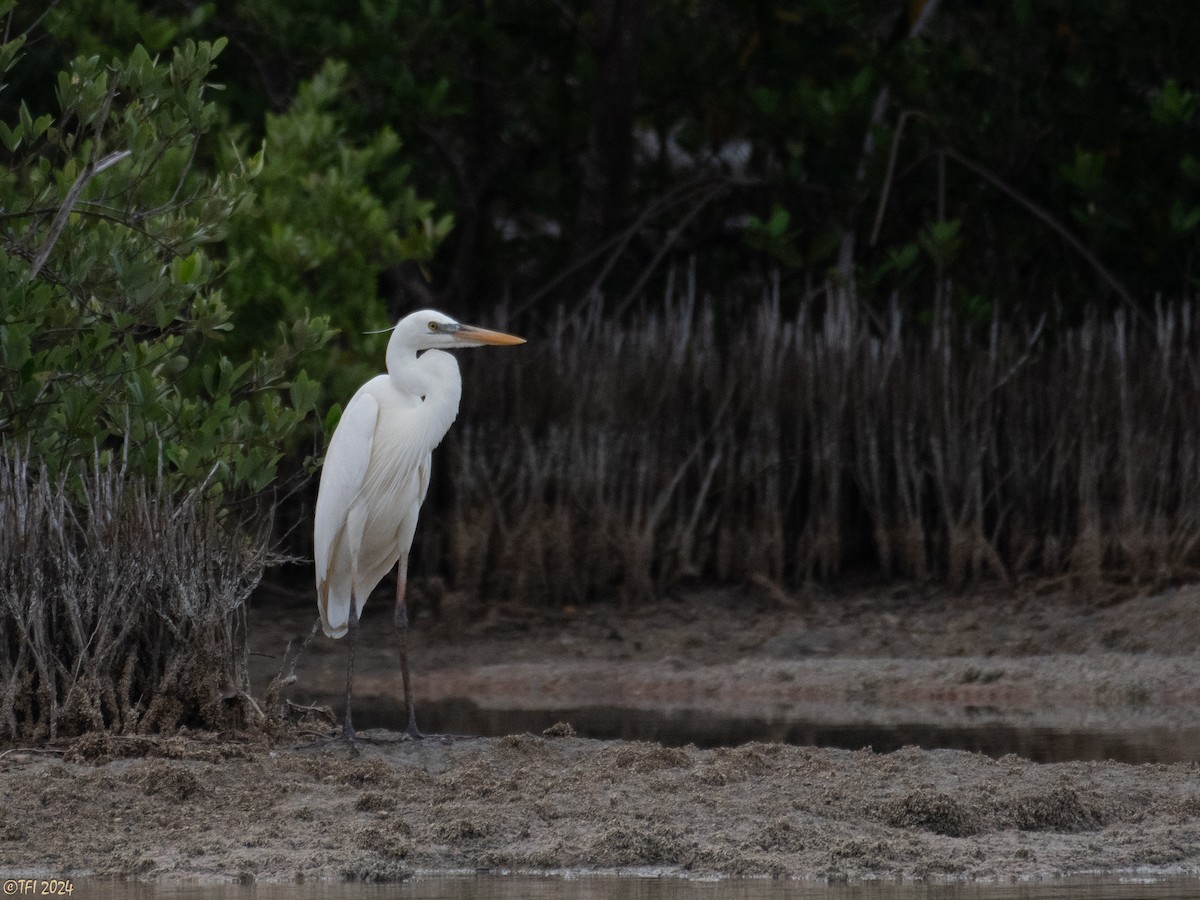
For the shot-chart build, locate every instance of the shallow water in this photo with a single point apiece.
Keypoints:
(680, 727)
(626, 888)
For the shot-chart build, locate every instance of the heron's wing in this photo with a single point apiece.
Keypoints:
(394, 488)
(423, 473)
(342, 476)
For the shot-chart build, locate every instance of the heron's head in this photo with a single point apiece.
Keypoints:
(429, 329)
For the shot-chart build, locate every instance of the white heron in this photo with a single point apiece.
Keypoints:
(376, 474)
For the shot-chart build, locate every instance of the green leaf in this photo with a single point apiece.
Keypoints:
(10, 49)
(904, 257)
(10, 136)
(1184, 219)
(778, 224)
(1173, 105)
(187, 268)
(1086, 171)
(942, 240)
(42, 124)
(304, 393)
(333, 417)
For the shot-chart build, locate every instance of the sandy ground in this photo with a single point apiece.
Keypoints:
(228, 806)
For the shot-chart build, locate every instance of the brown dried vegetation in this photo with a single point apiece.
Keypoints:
(773, 448)
(121, 606)
(686, 443)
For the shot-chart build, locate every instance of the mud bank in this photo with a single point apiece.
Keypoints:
(529, 803)
(230, 807)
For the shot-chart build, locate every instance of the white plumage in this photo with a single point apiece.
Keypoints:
(376, 471)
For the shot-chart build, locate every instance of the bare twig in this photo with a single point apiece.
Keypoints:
(883, 100)
(673, 198)
(1044, 216)
(665, 246)
(886, 190)
(90, 170)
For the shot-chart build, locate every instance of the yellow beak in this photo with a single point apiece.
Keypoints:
(471, 334)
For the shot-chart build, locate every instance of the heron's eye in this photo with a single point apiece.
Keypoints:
(433, 326)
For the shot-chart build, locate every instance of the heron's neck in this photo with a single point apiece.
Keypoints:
(431, 379)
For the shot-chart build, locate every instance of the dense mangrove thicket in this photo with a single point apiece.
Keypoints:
(1027, 149)
(621, 458)
(138, 449)
(210, 211)
(686, 443)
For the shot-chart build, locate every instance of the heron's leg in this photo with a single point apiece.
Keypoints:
(351, 637)
(410, 711)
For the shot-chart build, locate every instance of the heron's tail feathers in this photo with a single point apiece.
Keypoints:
(335, 590)
(335, 609)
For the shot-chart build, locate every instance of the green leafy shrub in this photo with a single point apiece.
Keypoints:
(112, 314)
(127, 428)
(318, 237)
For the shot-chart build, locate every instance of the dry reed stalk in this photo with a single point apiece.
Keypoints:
(121, 606)
(689, 442)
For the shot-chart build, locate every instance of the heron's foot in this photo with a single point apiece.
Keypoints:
(413, 732)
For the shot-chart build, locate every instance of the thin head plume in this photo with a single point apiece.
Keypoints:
(381, 330)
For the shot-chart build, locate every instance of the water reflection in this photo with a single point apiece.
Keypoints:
(679, 727)
(613, 888)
